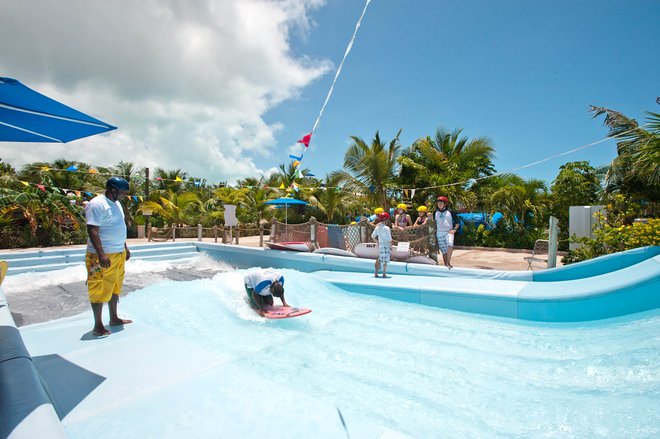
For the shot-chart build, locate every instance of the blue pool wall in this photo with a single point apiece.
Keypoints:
(606, 287)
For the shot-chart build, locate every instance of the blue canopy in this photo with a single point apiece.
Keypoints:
(285, 201)
(28, 116)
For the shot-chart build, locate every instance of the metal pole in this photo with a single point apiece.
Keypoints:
(552, 242)
(147, 218)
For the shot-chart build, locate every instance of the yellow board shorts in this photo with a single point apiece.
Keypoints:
(102, 283)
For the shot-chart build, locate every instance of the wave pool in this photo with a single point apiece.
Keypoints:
(424, 371)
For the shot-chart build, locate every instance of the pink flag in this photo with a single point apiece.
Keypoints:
(41, 186)
(306, 139)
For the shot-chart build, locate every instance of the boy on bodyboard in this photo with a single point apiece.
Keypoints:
(261, 286)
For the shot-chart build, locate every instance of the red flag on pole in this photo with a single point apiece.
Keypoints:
(306, 139)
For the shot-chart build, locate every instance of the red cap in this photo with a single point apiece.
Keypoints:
(383, 216)
(443, 199)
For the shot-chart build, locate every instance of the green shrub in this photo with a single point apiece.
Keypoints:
(611, 238)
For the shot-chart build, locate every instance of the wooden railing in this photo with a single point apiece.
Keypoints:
(225, 234)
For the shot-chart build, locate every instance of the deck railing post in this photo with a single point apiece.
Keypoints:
(312, 231)
(199, 232)
(261, 235)
(364, 231)
(215, 234)
(273, 227)
(173, 232)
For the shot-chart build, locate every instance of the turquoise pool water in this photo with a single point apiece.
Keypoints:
(424, 371)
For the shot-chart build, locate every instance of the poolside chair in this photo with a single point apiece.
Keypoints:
(539, 253)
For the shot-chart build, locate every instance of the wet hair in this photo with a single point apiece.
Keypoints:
(277, 289)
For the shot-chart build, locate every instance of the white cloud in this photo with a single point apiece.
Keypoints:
(187, 82)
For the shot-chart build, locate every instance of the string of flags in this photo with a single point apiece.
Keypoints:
(307, 138)
(69, 192)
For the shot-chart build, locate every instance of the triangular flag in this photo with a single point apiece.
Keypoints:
(158, 178)
(306, 139)
(93, 171)
(178, 178)
(77, 193)
(25, 183)
(41, 186)
(141, 199)
(72, 168)
(412, 193)
(282, 186)
(295, 157)
(296, 163)
(45, 168)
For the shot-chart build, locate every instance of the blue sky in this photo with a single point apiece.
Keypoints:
(224, 89)
(521, 73)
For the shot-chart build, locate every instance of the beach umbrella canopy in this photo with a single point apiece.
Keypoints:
(286, 202)
(29, 116)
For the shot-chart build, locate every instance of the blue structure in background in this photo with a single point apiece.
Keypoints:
(479, 218)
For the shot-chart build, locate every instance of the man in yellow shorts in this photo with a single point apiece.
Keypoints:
(106, 252)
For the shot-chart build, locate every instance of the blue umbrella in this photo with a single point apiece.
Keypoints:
(28, 116)
(285, 202)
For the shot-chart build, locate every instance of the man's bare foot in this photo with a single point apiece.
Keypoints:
(120, 322)
(101, 332)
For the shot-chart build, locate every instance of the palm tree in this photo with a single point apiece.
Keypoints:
(167, 180)
(445, 163)
(40, 211)
(524, 203)
(636, 170)
(177, 208)
(370, 168)
(330, 198)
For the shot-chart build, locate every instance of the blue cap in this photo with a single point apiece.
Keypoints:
(117, 183)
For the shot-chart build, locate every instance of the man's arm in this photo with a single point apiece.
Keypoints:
(95, 238)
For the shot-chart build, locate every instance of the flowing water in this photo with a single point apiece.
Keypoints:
(425, 371)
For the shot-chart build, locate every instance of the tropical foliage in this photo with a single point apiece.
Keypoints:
(41, 204)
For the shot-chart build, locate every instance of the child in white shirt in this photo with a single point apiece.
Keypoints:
(383, 235)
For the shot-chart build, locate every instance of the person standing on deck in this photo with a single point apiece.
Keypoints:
(106, 252)
(383, 235)
(447, 224)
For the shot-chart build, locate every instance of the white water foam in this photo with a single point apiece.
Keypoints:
(424, 371)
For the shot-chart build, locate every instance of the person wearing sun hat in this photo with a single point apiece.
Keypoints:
(402, 219)
(447, 225)
(423, 217)
(383, 235)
